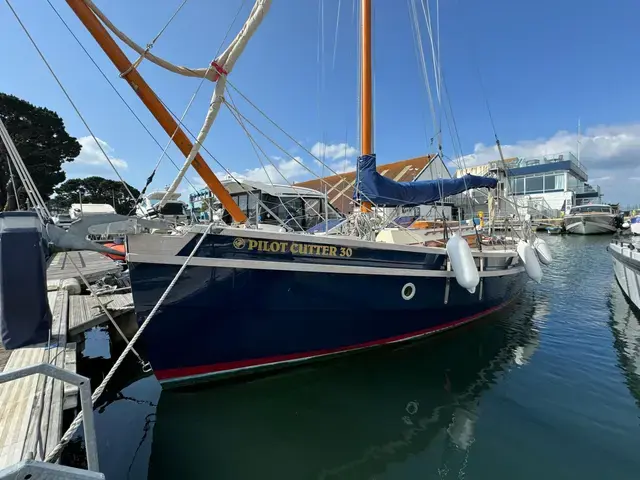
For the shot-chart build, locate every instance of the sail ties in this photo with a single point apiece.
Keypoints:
(218, 68)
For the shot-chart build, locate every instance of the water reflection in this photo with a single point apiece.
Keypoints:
(351, 418)
(626, 333)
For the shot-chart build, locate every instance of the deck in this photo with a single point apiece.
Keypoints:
(85, 312)
(93, 265)
(31, 414)
(32, 407)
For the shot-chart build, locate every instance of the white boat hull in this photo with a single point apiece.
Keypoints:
(590, 225)
(626, 265)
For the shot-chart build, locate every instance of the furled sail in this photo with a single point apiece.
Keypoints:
(382, 191)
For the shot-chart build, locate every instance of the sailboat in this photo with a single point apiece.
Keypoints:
(231, 299)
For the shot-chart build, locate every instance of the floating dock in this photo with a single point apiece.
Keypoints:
(32, 407)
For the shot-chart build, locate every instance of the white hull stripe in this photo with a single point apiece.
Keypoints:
(306, 267)
(591, 227)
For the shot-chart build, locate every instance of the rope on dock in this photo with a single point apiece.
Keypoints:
(66, 438)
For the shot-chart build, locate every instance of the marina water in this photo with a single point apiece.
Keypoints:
(548, 388)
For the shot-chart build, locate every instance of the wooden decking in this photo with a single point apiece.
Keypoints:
(93, 265)
(31, 413)
(31, 408)
(85, 311)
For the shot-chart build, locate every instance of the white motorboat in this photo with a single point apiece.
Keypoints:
(592, 219)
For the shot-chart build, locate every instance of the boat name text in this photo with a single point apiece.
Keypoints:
(291, 247)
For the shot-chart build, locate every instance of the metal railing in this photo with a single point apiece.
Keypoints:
(84, 386)
(542, 160)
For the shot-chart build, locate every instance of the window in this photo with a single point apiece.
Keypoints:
(252, 203)
(591, 209)
(172, 208)
(554, 182)
(534, 185)
(288, 209)
(518, 185)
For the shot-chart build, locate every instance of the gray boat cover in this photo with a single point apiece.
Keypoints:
(25, 317)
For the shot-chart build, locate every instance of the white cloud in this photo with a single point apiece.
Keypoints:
(342, 166)
(599, 145)
(90, 154)
(292, 170)
(333, 151)
(611, 154)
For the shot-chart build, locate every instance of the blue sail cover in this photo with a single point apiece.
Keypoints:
(379, 190)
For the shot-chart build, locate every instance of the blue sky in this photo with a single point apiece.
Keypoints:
(543, 64)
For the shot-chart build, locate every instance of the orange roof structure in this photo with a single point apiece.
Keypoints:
(340, 187)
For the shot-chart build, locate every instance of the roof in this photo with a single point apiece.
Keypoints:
(236, 186)
(91, 208)
(340, 187)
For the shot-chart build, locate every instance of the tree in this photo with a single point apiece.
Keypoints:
(43, 144)
(95, 190)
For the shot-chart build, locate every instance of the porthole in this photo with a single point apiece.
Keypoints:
(408, 291)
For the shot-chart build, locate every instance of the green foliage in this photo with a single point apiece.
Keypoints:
(43, 143)
(94, 190)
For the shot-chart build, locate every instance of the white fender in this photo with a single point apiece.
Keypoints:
(543, 251)
(530, 261)
(462, 263)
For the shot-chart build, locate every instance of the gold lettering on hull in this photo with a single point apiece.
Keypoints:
(291, 247)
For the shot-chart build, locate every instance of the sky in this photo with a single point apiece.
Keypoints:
(537, 67)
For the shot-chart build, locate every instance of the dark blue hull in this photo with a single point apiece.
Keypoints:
(220, 320)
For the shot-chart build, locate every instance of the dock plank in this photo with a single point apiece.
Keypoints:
(93, 266)
(31, 414)
(85, 311)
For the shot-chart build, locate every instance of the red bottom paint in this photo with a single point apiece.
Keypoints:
(176, 374)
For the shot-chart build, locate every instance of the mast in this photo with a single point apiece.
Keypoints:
(579, 140)
(366, 101)
(155, 106)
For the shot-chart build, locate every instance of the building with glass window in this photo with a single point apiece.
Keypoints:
(553, 182)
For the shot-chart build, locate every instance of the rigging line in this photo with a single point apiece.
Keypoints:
(294, 158)
(233, 22)
(150, 45)
(189, 72)
(35, 45)
(104, 75)
(283, 131)
(428, 138)
(13, 183)
(256, 147)
(225, 169)
(437, 69)
(423, 63)
(335, 40)
(188, 107)
(436, 66)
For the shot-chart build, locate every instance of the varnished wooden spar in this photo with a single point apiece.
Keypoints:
(155, 106)
(366, 98)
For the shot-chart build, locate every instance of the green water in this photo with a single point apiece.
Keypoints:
(547, 389)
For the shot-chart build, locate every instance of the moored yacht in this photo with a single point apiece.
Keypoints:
(626, 265)
(592, 219)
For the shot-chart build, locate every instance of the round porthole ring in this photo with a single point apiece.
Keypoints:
(412, 291)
